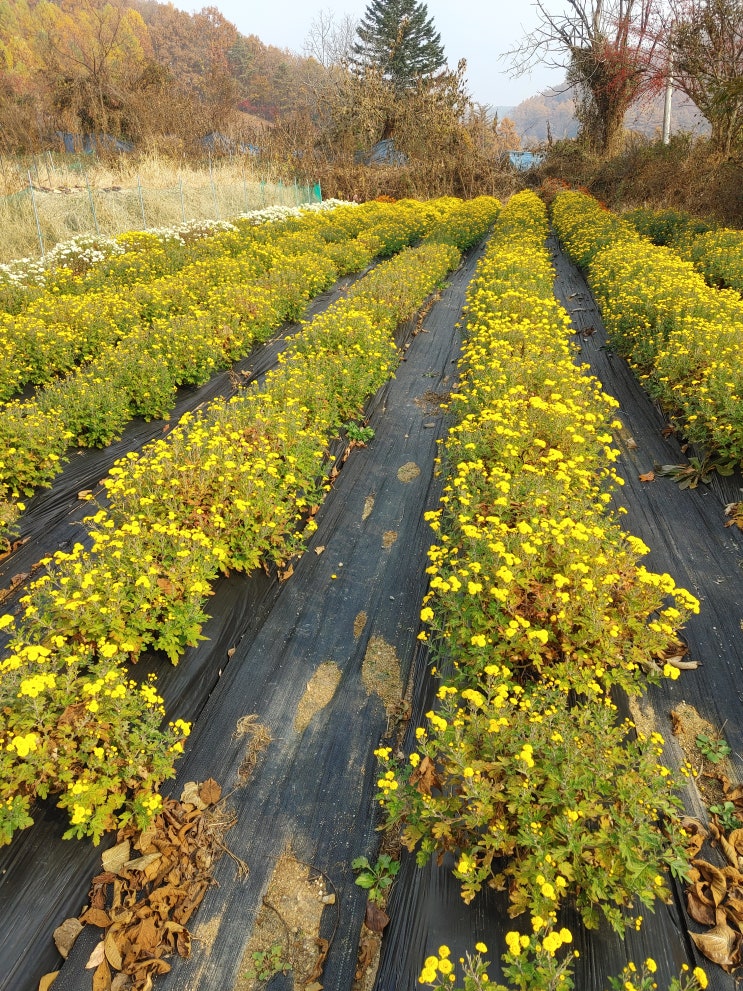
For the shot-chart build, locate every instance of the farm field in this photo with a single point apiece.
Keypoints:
(312, 697)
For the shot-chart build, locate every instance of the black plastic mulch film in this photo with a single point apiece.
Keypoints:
(312, 790)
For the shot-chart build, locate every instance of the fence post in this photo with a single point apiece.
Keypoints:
(296, 193)
(36, 215)
(90, 198)
(263, 192)
(141, 203)
(214, 189)
(183, 205)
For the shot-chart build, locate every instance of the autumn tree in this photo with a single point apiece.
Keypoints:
(397, 52)
(607, 49)
(194, 49)
(331, 41)
(92, 52)
(706, 45)
(21, 110)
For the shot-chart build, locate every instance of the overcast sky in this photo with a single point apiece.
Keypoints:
(476, 30)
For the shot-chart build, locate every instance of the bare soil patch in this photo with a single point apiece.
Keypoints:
(320, 690)
(286, 937)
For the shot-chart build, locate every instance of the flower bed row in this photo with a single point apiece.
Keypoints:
(683, 337)
(229, 488)
(231, 285)
(716, 252)
(539, 609)
(94, 294)
(182, 328)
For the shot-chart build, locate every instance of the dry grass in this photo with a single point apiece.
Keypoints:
(72, 196)
(684, 175)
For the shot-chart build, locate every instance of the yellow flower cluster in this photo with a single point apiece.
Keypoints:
(433, 965)
(718, 255)
(230, 488)
(536, 594)
(683, 337)
(132, 321)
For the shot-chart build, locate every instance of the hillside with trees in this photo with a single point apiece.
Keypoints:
(141, 71)
(155, 77)
(159, 79)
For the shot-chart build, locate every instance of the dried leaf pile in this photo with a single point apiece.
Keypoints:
(714, 897)
(152, 883)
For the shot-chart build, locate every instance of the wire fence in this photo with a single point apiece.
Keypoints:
(36, 218)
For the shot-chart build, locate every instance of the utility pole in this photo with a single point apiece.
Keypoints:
(667, 104)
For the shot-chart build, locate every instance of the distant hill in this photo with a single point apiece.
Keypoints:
(555, 106)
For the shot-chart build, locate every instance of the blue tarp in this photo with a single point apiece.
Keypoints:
(523, 160)
(383, 153)
(89, 143)
(220, 142)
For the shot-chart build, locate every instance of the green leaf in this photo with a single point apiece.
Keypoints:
(366, 880)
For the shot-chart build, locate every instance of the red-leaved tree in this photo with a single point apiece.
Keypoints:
(608, 49)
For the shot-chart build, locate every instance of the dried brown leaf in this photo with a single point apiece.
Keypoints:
(72, 714)
(96, 957)
(190, 795)
(677, 660)
(424, 777)
(47, 980)
(111, 949)
(731, 854)
(183, 943)
(147, 936)
(140, 863)
(721, 945)
(96, 917)
(700, 908)
(649, 476)
(716, 879)
(146, 837)
(210, 792)
(115, 858)
(66, 934)
(734, 909)
(376, 918)
(152, 966)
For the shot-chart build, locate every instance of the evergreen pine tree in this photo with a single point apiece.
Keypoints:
(398, 39)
